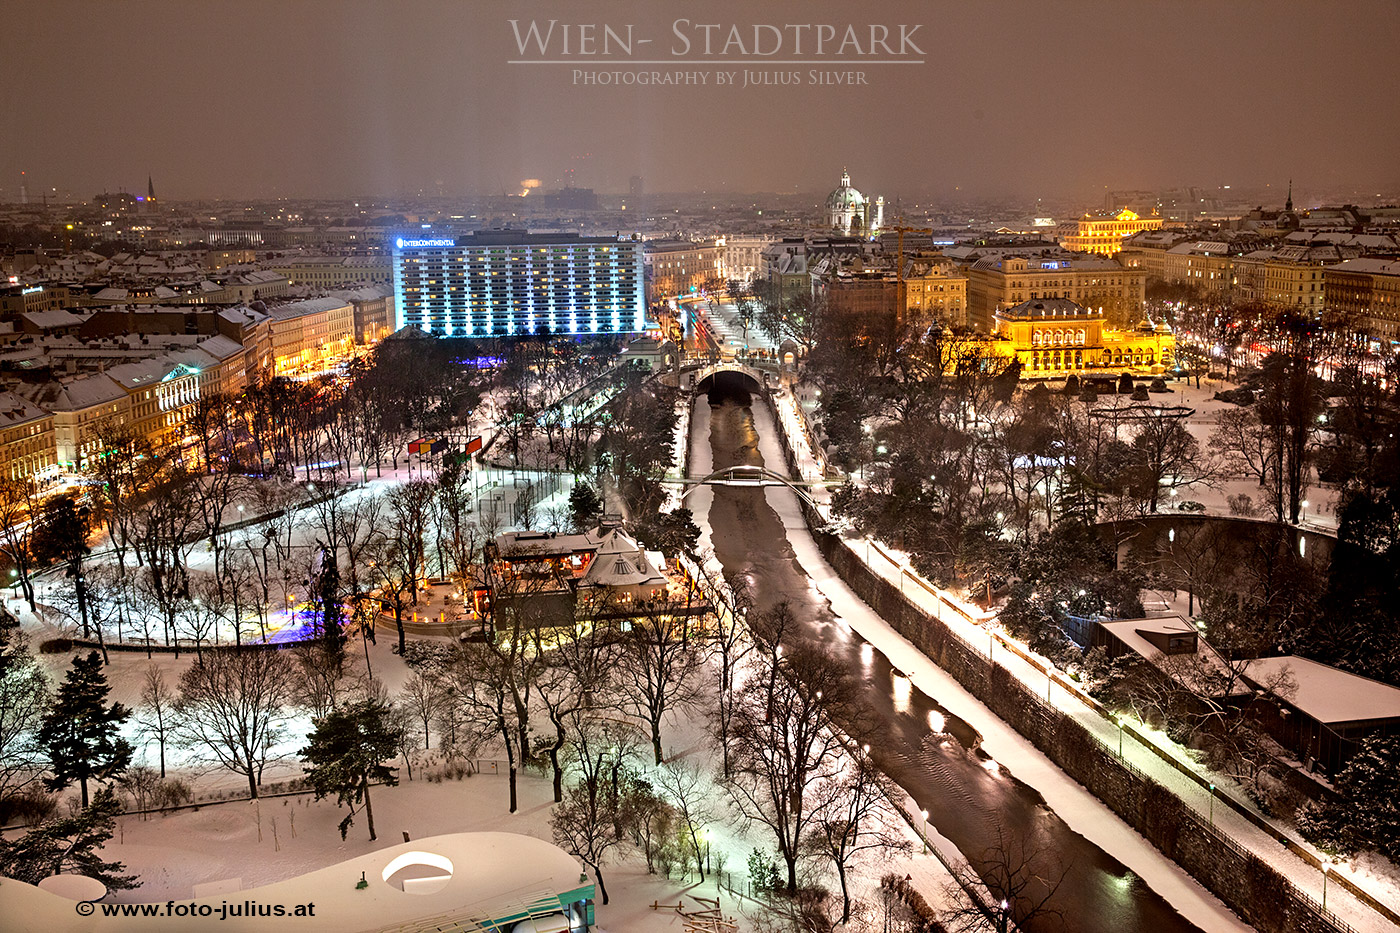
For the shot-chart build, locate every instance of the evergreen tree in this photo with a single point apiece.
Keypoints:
(60, 535)
(346, 751)
(671, 533)
(80, 732)
(69, 844)
(1371, 784)
(584, 507)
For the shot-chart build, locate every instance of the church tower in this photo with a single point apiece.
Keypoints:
(150, 190)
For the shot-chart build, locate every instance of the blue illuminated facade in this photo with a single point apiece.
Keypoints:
(502, 284)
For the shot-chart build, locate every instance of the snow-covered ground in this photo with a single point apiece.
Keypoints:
(1321, 511)
(276, 838)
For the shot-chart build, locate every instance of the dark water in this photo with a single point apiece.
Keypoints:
(932, 754)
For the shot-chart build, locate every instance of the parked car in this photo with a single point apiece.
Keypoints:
(1191, 506)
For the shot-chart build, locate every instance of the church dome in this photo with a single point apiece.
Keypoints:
(845, 198)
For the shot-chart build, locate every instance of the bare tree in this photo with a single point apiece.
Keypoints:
(578, 678)
(1289, 405)
(588, 823)
(24, 698)
(786, 743)
(1021, 876)
(660, 673)
(492, 680)
(423, 698)
(156, 718)
(1243, 444)
(233, 708)
(731, 645)
(18, 505)
(1166, 457)
(686, 787)
(855, 816)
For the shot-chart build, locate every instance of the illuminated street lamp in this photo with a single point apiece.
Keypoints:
(1212, 806)
(923, 831)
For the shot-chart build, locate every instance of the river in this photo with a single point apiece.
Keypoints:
(932, 754)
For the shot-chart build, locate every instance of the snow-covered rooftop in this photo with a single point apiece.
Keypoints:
(1138, 634)
(1328, 694)
(493, 876)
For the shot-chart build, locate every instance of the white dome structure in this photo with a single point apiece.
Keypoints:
(851, 213)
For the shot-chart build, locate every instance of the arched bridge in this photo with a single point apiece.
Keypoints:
(743, 476)
(756, 374)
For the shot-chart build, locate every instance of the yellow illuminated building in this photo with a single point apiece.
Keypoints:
(1101, 284)
(934, 290)
(1104, 232)
(1053, 337)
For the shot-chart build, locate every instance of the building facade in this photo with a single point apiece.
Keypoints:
(26, 439)
(1100, 284)
(676, 268)
(1205, 264)
(334, 271)
(743, 256)
(868, 293)
(934, 290)
(504, 284)
(1365, 293)
(1291, 276)
(1056, 337)
(311, 337)
(1104, 232)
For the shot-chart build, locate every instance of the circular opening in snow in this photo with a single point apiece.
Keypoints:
(74, 887)
(419, 872)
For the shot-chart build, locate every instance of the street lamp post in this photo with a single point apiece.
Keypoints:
(1119, 720)
(923, 830)
(1325, 869)
(1003, 917)
(1212, 806)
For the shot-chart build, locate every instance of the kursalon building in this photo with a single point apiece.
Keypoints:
(1054, 337)
(510, 283)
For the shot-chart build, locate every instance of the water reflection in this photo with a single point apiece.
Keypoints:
(902, 690)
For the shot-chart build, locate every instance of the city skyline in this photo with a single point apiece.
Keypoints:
(1000, 99)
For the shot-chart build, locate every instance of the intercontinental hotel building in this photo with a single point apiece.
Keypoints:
(509, 283)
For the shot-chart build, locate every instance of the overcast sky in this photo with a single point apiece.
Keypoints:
(245, 98)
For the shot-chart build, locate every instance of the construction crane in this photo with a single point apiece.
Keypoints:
(899, 257)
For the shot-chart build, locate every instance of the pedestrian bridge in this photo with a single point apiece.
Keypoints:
(751, 476)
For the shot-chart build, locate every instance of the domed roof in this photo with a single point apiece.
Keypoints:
(845, 197)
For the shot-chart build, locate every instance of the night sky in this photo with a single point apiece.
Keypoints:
(1035, 98)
